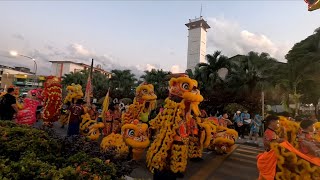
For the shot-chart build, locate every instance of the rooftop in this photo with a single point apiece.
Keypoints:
(98, 67)
(197, 22)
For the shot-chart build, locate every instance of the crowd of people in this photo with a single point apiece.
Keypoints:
(242, 122)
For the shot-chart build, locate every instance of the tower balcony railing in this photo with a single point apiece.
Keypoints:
(196, 19)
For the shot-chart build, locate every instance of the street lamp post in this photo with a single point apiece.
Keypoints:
(35, 66)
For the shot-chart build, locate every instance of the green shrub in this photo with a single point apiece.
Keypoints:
(29, 153)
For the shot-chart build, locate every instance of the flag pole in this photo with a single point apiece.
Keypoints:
(89, 86)
(91, 70)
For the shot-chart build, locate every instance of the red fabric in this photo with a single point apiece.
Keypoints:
(28, 114)
(268, 136)
(311, 159)
(267, 163)
(214, 120)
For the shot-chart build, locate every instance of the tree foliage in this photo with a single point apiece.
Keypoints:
(100, 82)
(159, 80)
(122, 84)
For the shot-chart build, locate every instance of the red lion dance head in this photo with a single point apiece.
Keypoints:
(52, 95)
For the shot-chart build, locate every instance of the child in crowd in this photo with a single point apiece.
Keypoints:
(270, 134)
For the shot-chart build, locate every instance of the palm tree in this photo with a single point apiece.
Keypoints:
(122, 83)
(159, 81)
(210, 73)
(250, 76)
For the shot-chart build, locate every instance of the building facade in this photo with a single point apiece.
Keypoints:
(197, 42)
(60, 68)
(19, 76)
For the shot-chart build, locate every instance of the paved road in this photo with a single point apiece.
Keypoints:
(240, 165)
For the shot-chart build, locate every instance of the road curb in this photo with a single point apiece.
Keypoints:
(212, 165)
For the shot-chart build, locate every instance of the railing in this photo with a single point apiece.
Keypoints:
(195, 19)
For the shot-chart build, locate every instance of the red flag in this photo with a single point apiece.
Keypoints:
(89, 89)
(88, 93)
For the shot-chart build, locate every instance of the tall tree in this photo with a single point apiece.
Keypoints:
(210, 73)
(100, 82)
(122, 84)
(250, 75)
(159, 81)
(302, 69)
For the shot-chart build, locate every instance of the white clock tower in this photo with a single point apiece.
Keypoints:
(197, 42)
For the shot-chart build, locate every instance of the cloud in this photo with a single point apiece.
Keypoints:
(230, 38)
(78, 49)
(147, 67)
(18, 36)
(175, 69)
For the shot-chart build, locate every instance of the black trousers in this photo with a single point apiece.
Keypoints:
(240, 130)
(6, 116)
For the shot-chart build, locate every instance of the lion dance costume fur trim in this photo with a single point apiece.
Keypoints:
(52, 95)
(181, 133)
(90, 128)
(134, 131)
(284, 160)
(144, 102)
(223, 138)
(27, 115)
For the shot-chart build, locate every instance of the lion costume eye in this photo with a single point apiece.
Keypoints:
(131, 132)
(86, 130)
(185, 86)
(145, 91)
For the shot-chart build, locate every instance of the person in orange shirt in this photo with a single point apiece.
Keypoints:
(270, 134)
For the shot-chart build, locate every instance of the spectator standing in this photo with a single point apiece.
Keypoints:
(8, 105)
(246, 121)
(76, 111)
(238, 124)
(255, 127)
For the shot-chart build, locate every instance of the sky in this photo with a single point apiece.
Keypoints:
(141, 35)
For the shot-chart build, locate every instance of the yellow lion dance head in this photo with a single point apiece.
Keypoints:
(115, 142)
(74, 92)
(90, 128)
(136, 136)
(186, 89)
(145, 94)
